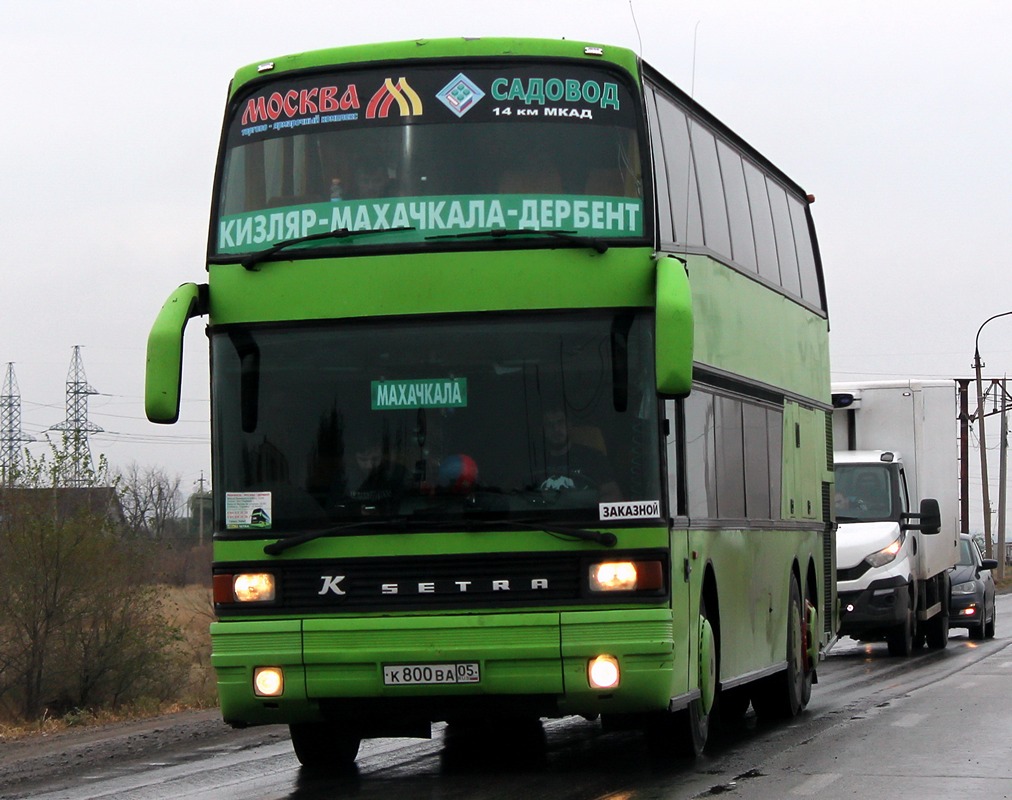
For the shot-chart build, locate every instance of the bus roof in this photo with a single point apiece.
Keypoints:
(440, 48)
(517, 47)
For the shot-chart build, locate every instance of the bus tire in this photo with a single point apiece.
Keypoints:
(318, 746)
(684, 733)
(782, 696)
(810, 649)
(679, 734)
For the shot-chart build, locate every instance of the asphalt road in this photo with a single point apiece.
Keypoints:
(937, 724)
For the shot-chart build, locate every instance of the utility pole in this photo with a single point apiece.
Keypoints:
(985, 490)
(1001, 481)
(199, 508)
(964, 455)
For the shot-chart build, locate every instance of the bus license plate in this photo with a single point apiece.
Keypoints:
(430, 674)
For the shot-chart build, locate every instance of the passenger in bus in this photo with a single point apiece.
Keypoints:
(375, 480)
(569, 464)
(370, 177)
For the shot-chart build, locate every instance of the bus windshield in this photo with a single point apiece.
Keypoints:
(520, 417)
(433, 151)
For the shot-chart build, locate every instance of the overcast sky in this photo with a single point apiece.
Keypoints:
(896, 115)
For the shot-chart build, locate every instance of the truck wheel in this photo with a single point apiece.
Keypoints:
(937, 628)
(318, 746)
(783, 695)
(901, 638)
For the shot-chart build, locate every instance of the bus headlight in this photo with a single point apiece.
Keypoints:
(626, 576)
(603, 672)
(268, 681)
(247, 587)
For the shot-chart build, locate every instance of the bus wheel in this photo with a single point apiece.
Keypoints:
(681, 734)
(783, 695)
(811, 649)
(318, 746)
(685, 732)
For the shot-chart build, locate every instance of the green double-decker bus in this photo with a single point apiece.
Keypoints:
(520, 400)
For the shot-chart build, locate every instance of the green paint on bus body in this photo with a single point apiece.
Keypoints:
(723, 322)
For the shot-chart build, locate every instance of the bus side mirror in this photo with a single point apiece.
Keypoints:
(673, 328)
(164, 370)
(930, 518)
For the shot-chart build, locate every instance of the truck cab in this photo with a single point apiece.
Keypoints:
(886, 578)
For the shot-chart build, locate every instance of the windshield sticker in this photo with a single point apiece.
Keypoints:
(244, 510)
(650, 509)
(584, 215)
(409, 104)
(321, 105)
(375, 98)
(460, 95)
(420, 393)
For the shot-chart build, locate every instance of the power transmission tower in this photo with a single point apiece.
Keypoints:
(11, 436)
(76, 426)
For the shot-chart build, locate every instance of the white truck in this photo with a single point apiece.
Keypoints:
(896, 467)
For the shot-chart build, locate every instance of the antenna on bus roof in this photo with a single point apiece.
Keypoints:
(695, 40)
(639, 39)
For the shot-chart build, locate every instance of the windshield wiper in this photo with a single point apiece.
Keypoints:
(251, 261)
(606, 538)
(278, 547)
(497, 233)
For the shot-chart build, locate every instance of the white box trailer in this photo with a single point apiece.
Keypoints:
(897, 491)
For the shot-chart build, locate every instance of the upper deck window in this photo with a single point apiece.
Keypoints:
(435, 150)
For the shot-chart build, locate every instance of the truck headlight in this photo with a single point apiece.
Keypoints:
(888, 553)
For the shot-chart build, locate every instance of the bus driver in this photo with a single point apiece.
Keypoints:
(571, 465)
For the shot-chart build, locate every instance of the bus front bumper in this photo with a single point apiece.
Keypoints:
(434, 667)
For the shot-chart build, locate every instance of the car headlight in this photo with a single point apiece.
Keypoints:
(969, 587)
(888, 553)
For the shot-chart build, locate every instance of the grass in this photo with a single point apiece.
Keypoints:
(188, 610)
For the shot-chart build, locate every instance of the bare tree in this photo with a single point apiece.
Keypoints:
(151, 501)
(79, 626)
